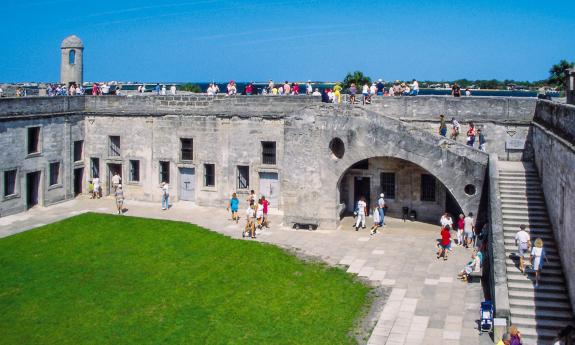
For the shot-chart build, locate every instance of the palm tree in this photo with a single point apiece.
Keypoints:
(558, 73)
(357, 78)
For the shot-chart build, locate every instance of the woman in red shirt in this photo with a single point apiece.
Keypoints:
(445, 242)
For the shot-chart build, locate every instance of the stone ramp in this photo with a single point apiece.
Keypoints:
(540, 312)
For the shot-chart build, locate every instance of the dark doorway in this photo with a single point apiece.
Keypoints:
(361, 187)
(32, 188)
(113, 168)
(78, 178)
(451, 206)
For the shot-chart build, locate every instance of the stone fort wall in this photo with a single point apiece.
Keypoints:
(301, 127)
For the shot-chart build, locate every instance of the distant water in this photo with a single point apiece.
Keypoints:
(321, 86)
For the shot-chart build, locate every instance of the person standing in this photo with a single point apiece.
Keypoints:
(157, 89)
(381, 209)
(119, 194)
(352, 92)
(234, 204)
(537, 256)
(361, 213)
(442, 126)
(249, 89)
(116, 180)
(165, 196)
(265, 204)
(250, 229)
(163, 92)
(173, 90)
(365, 93)
(445, 242)
(337, 92)
(308, 88)
(376, 221)
(380, 87)
(295, 89)
(455, 127)
(471, 134)
(482, 141)
(287, 88)
(96, 182)
(251, 199)
(456, 90)
(414, 88)
(523, 243)
(467, 92)
(460, 226)
(468, 228)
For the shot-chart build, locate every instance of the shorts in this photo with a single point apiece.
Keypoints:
(468, 233)
(523, 250)
(445, 246)
(234, 210)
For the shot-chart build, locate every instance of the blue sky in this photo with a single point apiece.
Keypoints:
(205, 40)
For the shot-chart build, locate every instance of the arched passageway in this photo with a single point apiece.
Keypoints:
(404, 185)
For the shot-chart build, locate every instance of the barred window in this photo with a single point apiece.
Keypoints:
(269, 152)
(187, 149)
(165, 171)
(134, 171)
(78, 148)
(114, 146)
(33, 140)
(54, 173)
(243, 177)
(95, 167)
(9, 182)
(209, 175)
(387, 181)
(427, 187)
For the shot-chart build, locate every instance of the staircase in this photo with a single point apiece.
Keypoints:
(539, 313)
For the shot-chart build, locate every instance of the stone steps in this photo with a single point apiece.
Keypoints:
(538, 312)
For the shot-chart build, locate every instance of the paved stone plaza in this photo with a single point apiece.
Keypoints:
(425, 302)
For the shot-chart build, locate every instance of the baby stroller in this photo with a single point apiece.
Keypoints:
(486, 317)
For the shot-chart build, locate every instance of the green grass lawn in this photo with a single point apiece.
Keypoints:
(101, 279)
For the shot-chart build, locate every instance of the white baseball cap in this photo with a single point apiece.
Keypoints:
(381, 195)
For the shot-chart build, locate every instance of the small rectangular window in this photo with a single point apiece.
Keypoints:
(427, 187)
(78, 148)
(114, 146)
(387, 181)
(134, 171)
(95, 167)
(269, 152)
(33, 140)
(54, 173)
(243, 177)
(165, 171)
(187, 149)
(9, 182)
(209, 175)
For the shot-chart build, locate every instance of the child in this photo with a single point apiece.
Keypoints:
(250, 229)
(234, 203)
(376, 221)
(91, 189)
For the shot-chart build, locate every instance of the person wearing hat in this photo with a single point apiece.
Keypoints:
(523, 242)
(119, 194)
(381, 208)
(380, 87)
(165, 196)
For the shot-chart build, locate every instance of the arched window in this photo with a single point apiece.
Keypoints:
(72, 57)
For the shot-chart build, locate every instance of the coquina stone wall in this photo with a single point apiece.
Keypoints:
(554, 147)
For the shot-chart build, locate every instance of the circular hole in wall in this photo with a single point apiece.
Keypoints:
(337, 147)
(470, 189)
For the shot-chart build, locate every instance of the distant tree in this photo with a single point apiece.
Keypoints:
(558, 72)
(357, 78)
(191, 88)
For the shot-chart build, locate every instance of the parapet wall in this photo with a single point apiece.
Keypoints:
(40, 105)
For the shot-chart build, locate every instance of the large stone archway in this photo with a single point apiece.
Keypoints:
(315, 170)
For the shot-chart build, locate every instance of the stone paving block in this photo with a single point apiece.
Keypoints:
(451, 334)
(388, 282)
(377, 275)
(365, 271)
(363, 239)
(430, 281)
(356, 266)
(377, 340)
(446, 279)
(378, 252)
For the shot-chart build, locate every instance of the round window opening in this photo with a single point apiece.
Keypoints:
(470, 189)
(337, 147)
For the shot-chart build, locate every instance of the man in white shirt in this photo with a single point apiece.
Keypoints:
(173, 90)
(308, 88)
(414, 88)
(116, 179)
(361, 213)
(468, 228)
(381, 208)
(165, 196)
(523, 242)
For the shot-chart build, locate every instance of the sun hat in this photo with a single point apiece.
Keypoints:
(381, 195)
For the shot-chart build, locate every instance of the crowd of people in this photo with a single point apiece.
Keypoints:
(256, 213)
(473, 134)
